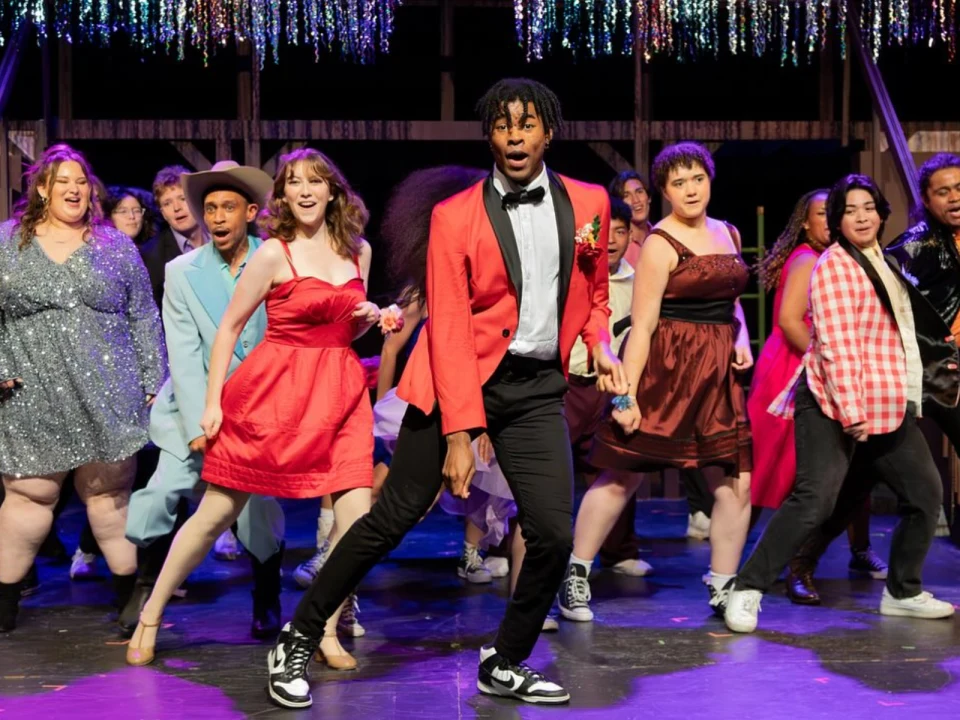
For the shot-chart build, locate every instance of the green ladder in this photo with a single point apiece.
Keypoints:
(760, 296)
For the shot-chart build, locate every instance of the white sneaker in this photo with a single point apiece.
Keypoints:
(698, 526)
(498, 566)
(226, 547)
(923, 605)
(348, 623)
(324, 527)
(308, 570)
(743, 606)
(635, 567)
(83, 566)
(550, 624)
(943, 527)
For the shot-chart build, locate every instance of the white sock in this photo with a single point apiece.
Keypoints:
(719, 580)
(586, 564)
(324, 525)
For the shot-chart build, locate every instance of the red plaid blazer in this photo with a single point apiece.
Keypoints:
(856, 367)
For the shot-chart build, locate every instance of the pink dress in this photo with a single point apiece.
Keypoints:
(774, 453)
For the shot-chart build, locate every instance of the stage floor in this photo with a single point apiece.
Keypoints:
(653, 651)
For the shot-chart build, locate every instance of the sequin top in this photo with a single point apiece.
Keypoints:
(86, 339)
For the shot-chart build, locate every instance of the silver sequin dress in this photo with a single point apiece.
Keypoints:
(85, 336)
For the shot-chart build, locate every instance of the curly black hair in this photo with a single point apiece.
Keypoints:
(405, 228)
(940, 161)
(116, 194)
(837, 202)
(768, 268)
(493, 105)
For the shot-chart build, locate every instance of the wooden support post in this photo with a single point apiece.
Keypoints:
(270, 166)
(606, 152)
(447, 106)
(641, 114)
(65, 80)
(845, 110)
(248, 105)
(827, 86)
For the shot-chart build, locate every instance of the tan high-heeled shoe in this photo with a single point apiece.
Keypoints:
(343, 662)
(139, 655)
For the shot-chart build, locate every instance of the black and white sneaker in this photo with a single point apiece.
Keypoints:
(718, 598)
(499, 676)
(289, 684)
(574, 596)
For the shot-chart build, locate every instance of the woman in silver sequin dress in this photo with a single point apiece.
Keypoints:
(81, 357)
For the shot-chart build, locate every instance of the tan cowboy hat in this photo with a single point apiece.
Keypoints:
(249, 181)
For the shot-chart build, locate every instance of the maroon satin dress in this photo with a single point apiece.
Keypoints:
(297, 419)
(691, 401)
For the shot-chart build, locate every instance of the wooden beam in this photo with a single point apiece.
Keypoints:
(65, 80)
(827, 84)
(447, 106)
(845, 118)
(885, 112)
(641, 114)
(248, 104)
(606, 152)
(196, 159)
(223, 131)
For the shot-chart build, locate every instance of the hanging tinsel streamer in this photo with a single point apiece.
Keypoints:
(355, 29)
(796, 30)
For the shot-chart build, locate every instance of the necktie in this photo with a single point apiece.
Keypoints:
(523, 197)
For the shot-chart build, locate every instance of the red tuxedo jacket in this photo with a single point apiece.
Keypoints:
(474, 285)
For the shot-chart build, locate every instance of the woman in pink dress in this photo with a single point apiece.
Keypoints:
(787, 269)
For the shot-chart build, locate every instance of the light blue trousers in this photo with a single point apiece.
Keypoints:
(153, 510)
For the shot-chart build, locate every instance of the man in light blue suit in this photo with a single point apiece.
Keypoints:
(197, 288)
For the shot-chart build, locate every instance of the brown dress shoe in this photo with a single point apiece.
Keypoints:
(800, 587)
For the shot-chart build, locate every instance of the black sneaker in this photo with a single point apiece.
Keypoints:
(867, 562)
(574, 595)
(287, 663)
(718, 598)
(499, 676)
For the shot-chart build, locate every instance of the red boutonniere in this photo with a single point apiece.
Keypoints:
(588, 242)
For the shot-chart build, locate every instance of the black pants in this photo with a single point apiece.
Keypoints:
(826, 458)
(699, 497)
(525, 421)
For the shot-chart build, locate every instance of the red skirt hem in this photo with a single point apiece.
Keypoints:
(346, 476)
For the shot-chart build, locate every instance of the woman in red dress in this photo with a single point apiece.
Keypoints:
(295, 418)
(788, 269)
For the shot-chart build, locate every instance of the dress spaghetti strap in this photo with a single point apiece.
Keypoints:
(356, 263)
(682, 250)
(286, 251)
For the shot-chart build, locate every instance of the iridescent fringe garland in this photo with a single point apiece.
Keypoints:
(356, 29)
(689, 29)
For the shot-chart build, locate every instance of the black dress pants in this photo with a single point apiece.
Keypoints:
(524, 406)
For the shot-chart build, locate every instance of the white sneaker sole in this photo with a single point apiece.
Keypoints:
(874, 574)
(481, 580)
(302, 579)
(288, 703)
(531, 699)
(631, 572)
(740, 627)
(576, 615)
(895, 611)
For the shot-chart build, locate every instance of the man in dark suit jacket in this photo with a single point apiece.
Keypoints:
(182, 233)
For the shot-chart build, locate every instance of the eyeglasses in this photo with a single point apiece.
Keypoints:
(133, 212)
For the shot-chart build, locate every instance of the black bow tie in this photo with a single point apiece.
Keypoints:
(523, 197)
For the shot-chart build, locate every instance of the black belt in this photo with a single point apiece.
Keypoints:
(706, 312)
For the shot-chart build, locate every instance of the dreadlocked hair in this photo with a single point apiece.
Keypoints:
(493, 105)
(405, 228)
(769, 267)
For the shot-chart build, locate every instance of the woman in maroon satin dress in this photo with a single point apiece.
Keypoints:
(687, 347)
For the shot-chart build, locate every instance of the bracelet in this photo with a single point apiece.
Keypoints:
(622, 402)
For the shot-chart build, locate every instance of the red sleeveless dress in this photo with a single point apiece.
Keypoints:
(297, 419)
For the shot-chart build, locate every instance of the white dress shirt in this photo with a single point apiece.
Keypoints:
(621, 299)
(538, 242)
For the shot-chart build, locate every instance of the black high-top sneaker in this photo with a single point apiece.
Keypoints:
(289, 684)
(718, 598)
(499, 676)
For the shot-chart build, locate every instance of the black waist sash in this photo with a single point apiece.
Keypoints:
(706, 312)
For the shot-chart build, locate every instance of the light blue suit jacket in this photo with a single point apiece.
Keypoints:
(194, 300)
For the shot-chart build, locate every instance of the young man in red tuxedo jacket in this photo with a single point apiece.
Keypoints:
(516, 271)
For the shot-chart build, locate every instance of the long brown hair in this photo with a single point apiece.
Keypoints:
(346, 214)
(31, 209)
(769, 266)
